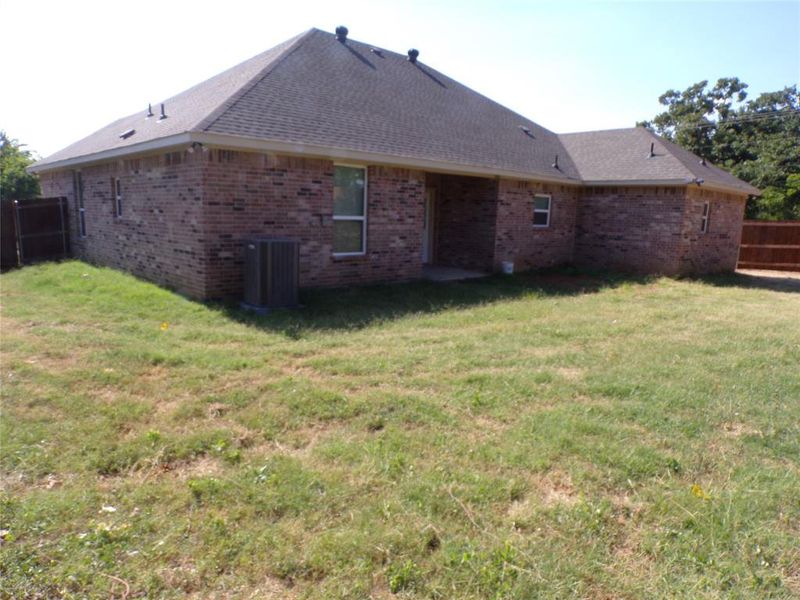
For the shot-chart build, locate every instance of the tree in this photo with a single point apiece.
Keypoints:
(757, 140)
(15, 181)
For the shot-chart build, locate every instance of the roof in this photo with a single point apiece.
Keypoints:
(623, 156)
(185, 112)
(313, 91)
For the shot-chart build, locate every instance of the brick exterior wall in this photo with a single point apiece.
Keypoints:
(251, 193)
(530, 247)
(185, 215)
(159, 236)
(717, 250)
(636, 229)
(464, 223)
(658, 230)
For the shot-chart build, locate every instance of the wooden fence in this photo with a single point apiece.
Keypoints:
(770, 245)
(33, 230)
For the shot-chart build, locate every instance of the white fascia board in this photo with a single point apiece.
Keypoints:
(235, 142)
(665, 182)
(164, 143)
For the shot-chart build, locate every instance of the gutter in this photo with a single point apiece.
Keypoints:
(235, 142)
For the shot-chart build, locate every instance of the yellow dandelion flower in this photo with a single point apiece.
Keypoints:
(699, 492)
(164, 326)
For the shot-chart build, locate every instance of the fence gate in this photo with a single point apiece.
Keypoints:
(770, 245)
(34, 230)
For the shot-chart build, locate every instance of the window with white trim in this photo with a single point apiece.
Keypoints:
(705, 218)
(541, 210)
(116, 192)
(349, 210)
(77, 189)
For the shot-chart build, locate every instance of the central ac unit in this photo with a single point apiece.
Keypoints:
(271, 272)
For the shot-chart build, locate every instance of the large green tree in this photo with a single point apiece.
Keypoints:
(15, 181)
(758, 140)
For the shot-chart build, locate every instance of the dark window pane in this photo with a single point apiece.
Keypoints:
(540, 218)
(348, 192)
(540, 203)
(347, 236)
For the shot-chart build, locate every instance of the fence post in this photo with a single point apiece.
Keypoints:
(17, 220)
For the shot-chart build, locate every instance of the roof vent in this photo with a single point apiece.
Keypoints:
(652, 150)
(555, 163)
(703, 161)
(149, 111)
(163, 113)
(341, 33)
(127, 133)
(526, 131)
(377, 51)
(412, 55)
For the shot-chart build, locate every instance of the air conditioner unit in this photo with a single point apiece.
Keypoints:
(271, 273)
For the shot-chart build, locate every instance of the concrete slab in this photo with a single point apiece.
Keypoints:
(437, 273)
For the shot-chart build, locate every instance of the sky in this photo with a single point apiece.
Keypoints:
(70, 67)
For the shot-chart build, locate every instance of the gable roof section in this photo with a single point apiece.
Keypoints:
(622, 156)
(351, 98)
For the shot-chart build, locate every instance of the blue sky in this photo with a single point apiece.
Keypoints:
(567, 65)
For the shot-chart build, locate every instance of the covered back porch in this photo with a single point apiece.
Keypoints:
(459, 229)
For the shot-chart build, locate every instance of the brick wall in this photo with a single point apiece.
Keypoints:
(717, 250)
(466, 211)
(159, 236)
(186, 214)
(658, 230)
(251, 193)
(530, 247)
(638, 229)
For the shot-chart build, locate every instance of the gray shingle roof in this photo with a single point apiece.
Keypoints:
(315, 90)
(622, 155)
(185, 112)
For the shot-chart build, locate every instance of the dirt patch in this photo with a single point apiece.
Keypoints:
(570, 373)
(735, 430)
(555, 487)
(781, 281)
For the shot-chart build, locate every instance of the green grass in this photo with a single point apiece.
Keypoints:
(504, 438)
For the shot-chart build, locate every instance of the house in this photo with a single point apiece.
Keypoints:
(379, 165)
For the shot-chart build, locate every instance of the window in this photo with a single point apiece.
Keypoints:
(706, 215)
(349, 210)
(541, 210)
(77, 189)
(116, 193)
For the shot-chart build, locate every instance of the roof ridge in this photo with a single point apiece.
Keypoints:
(291, 45)
(600, 130)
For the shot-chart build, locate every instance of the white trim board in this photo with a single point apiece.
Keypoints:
(235, 142)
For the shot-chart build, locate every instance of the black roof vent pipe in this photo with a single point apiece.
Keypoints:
(652, 150)
(412, 55)
(341, 33)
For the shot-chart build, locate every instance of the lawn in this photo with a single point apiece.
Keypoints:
(566, 435)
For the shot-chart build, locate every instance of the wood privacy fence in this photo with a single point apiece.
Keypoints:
(770, 245)
(33, 230)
